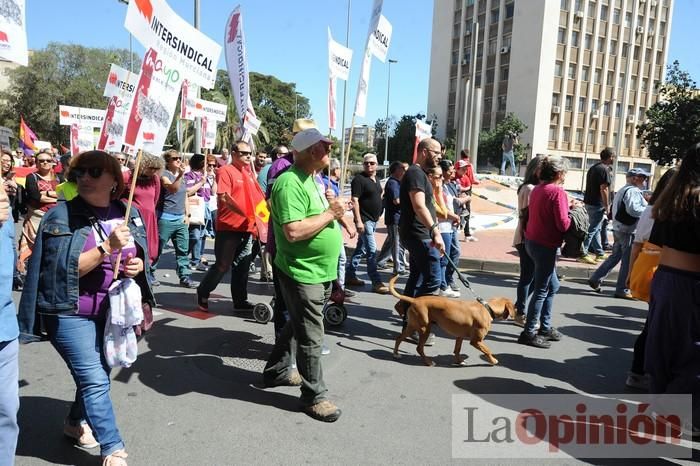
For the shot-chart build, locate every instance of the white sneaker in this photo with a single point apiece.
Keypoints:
(472, 238)
(448, 293)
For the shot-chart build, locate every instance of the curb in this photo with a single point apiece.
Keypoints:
(513, 268)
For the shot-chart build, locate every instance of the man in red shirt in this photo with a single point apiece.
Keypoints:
(235, 226)
(465, 175)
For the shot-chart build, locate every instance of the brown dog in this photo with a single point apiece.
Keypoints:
(461, 319)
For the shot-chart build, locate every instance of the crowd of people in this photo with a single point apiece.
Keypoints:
(78, 235)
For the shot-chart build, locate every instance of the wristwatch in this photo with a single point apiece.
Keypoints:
(102, 250)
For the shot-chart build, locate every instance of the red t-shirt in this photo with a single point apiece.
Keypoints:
(238, 183)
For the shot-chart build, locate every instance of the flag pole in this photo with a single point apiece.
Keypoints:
(134, 176)
(346, 158)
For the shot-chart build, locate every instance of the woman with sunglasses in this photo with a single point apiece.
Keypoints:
(41, 197)
(68, 279)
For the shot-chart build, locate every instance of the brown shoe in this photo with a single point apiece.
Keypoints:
(82, 434)
(380, 288)
(354, 281)
(323, 411)
(117, 458)
(293, 379)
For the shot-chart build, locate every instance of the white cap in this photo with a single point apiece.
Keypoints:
(307, 138)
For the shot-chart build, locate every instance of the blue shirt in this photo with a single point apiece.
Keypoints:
(9, 329)
(392, 212)
(262, 177)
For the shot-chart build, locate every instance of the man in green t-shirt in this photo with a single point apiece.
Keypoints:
(308, 242)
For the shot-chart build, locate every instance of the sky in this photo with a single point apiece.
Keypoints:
(288, 39)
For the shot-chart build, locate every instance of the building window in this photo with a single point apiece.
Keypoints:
(493, 46)
(588, 41)
(633, 83)
(591, 139)
(504, 73)
(470, 2)
(604, 12)
(644, 166)
(628, 19)
(569, 103)
(601, 45)
(557, 68)
(604, 138)
(577, 5)
(506, 41)
(645, 84)
(596, 75)
(606, 109)
(454, 58)
(591, 10)
(641, 114)
(581, 104)
(609, 79)
(616, 16)
(614, 140)
(489, 76)
(621, 80)
(494, 16)
(510, 9)
(566, 134)
(564, 5)
(561, 37)
(574, 38)
(572, 70)
(584, 73)
(594, 106)
(659, 57)
(477, 79)
(618, 109)
(662, 29)
(579, 136)
(613, 47)
(574, 162)
(625, 50)
(501, 103)
(555, 100)
(623, 167)
(453, 84)
(636, 52)
(552, 133)
(488, 104)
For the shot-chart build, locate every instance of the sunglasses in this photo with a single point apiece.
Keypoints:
(94, 172)
(369, 163)
(244, 153)
(175, 158)
(121, 160)
(211, 165)
(44, 161)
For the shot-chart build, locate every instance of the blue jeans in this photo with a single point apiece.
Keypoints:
(452, 250)
(80, 342)
(366, 246)
(392, 247)
(510, 158)
(9, 400)
(620, 253)
(595, 221)
(424, 261)
(196, 242)
(545, 285)
(527, 271)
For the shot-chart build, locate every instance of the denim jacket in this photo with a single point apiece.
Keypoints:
(51, 285)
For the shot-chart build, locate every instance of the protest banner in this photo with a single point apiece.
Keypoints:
(423, 131)
(339, 59)
(120, 88)
(93, 117)
(81, 138)
(155, 25)
(380, 39)
(13, 32)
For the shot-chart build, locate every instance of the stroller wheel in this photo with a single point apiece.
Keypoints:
(262, 313)
(335, 314)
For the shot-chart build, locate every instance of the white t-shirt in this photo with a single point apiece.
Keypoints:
(644, 226)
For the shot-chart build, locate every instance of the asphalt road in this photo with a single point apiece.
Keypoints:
(192, 398)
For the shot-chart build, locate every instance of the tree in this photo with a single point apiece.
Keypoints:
(490, 141)
(402, 142)
(673, 122)
(61, 74)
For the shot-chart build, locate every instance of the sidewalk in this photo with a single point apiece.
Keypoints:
(495, 219)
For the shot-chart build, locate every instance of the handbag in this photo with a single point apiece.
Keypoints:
(643, 270)
(197, 210)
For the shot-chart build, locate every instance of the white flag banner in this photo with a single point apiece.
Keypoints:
(81, 138)
(154, 104)
(251, 124)
(237, 62)
(13, 32)
(120, 88)
(363, 84)
(190, 53)
(206, 109)
(423, 130)
(339, 58)
(187, 101)
(120, 82)
(380, 39)
(93, 117)
(208, 133)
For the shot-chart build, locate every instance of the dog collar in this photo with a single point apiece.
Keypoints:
(483, 302)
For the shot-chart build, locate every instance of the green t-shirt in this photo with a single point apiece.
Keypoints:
(296, 196)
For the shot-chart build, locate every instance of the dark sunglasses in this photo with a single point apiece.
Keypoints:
(94, 172)
(244, 152)
(175, 158)
(211, 165)
(369, 163)
(44, 161)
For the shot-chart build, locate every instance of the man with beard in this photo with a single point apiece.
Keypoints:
(418, 227)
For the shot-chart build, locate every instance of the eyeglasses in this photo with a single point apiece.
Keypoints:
(436, 177)
(211, 165)
(44, 161)
(121, 160)
(282, 153)
(175, 158)
(94, 172)
(244, 152)
(369, 163)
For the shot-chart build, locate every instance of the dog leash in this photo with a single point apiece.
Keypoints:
(466, 283)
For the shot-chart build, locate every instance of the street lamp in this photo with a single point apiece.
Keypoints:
(386, 121)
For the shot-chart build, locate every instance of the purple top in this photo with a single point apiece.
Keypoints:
(278, 167)
(192, 178)
(93, 298)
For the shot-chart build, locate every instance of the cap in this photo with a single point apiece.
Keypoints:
(307, 138)
(638, 172)
(461, 163)
(369, 157)
(300, 124)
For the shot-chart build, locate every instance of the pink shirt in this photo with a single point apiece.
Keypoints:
(548, 215)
